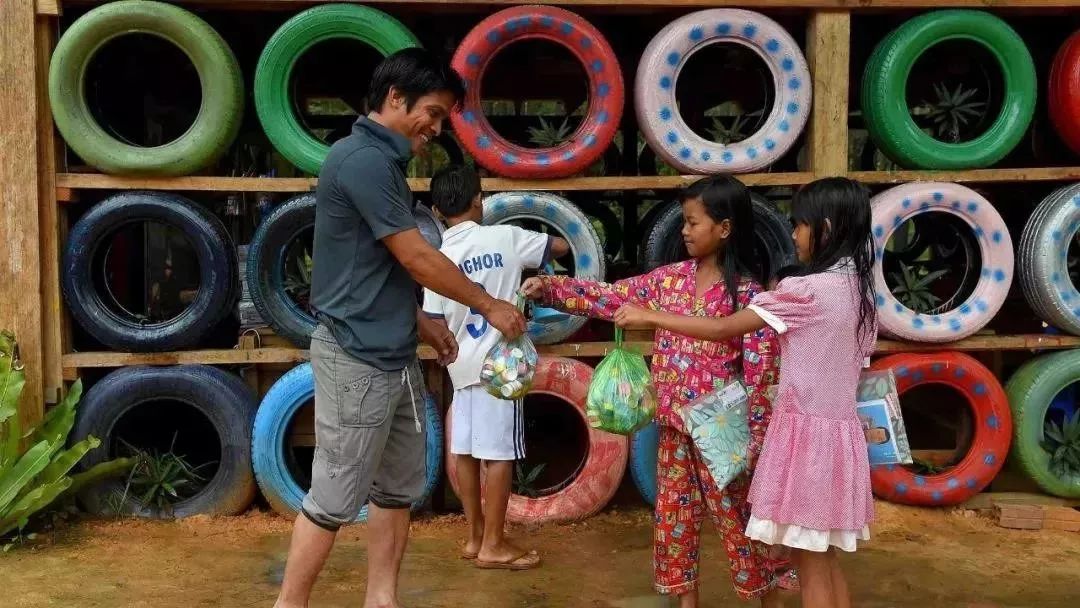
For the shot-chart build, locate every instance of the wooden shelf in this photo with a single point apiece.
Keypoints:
(245, 356)
(67, 182)
(974, 175)
(54, 7)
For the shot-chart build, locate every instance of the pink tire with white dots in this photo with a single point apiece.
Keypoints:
(606, 94)
(891, 209)
(598, 477)
(654, 92)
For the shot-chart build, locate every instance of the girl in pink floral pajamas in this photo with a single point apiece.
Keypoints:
(722, 277)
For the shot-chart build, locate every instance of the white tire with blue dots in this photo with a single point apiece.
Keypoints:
(654, 92)
(895, 206)
(1044, 259)
(562, 218)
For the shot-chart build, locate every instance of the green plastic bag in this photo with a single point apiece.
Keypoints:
(622, 397)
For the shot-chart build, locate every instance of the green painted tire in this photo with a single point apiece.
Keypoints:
(273, 101)
(219, 115)
(1031, 390)
(884, 102)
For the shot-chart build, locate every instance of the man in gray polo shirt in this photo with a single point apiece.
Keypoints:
(367, 254)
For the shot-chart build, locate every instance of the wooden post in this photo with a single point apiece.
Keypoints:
(828, 40)
(20, 250)
(53, 219)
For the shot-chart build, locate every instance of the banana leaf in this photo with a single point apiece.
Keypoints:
(32, 503)
(61, 418)
(11, 385)
(28, 467)
(99, 472)
(64, 462)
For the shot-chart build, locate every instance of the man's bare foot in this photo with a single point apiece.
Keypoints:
(506, 554)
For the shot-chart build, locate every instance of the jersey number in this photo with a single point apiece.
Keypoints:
(474, 331)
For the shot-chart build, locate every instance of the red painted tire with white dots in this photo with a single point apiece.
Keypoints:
(992, 424)
(604, 465)
(606, 93)
(891, 209)
(654, 91)
(1063, 95)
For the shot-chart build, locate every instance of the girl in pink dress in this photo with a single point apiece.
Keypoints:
(811, 488)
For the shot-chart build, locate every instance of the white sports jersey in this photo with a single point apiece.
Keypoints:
(493, 257)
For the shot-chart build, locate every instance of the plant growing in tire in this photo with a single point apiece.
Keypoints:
(1062, 442)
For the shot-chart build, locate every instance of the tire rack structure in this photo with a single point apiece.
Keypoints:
(36, 184)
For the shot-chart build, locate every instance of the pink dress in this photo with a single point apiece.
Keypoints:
(811, 488)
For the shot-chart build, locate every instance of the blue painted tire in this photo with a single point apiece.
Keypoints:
(277, 410)
(564, 219)
(643, 447)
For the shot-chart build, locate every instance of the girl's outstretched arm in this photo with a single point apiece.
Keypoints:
(592, 298)
(713, 329)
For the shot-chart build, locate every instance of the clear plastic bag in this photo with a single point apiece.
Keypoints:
(510, 365)
(622, 397)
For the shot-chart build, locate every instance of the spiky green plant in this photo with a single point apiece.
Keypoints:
(524, 480)
(951, 110)
(547, 135)
(298, 281)
(731, 128)
(1063, 444)
(912, 287)
(32, 478)
(158, 480)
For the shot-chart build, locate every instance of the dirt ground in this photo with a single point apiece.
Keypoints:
(916, 558)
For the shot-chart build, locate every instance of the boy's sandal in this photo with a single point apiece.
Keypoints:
(525, 561)
(468, 556)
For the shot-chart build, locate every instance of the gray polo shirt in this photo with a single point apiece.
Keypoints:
(358, 289)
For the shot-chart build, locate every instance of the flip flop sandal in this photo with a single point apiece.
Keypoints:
(514, 564)
(468, 556)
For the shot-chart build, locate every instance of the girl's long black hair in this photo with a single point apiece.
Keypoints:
(726, 198)
(837, 210)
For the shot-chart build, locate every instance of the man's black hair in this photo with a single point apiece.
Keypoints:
(453, 189)
(415, 72)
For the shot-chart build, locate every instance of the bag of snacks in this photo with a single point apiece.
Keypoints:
(510, 365)
(622, 397)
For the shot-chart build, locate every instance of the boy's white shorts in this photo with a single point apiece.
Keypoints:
(485, 427)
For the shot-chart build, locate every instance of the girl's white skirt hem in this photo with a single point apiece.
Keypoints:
(808, 539)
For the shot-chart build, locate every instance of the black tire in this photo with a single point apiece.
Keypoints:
(266, 269)
(218, 273)
(220, 396)
(664, 244)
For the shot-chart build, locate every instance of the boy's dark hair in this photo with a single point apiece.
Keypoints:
(726, 198)
(415, 72)
(453, 189)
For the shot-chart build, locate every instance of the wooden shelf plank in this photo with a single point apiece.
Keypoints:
(241, 356)
(752, 4)
(66, 183)
(974, 175)
(95, 181)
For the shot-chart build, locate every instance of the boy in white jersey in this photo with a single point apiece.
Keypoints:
(482, 426)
